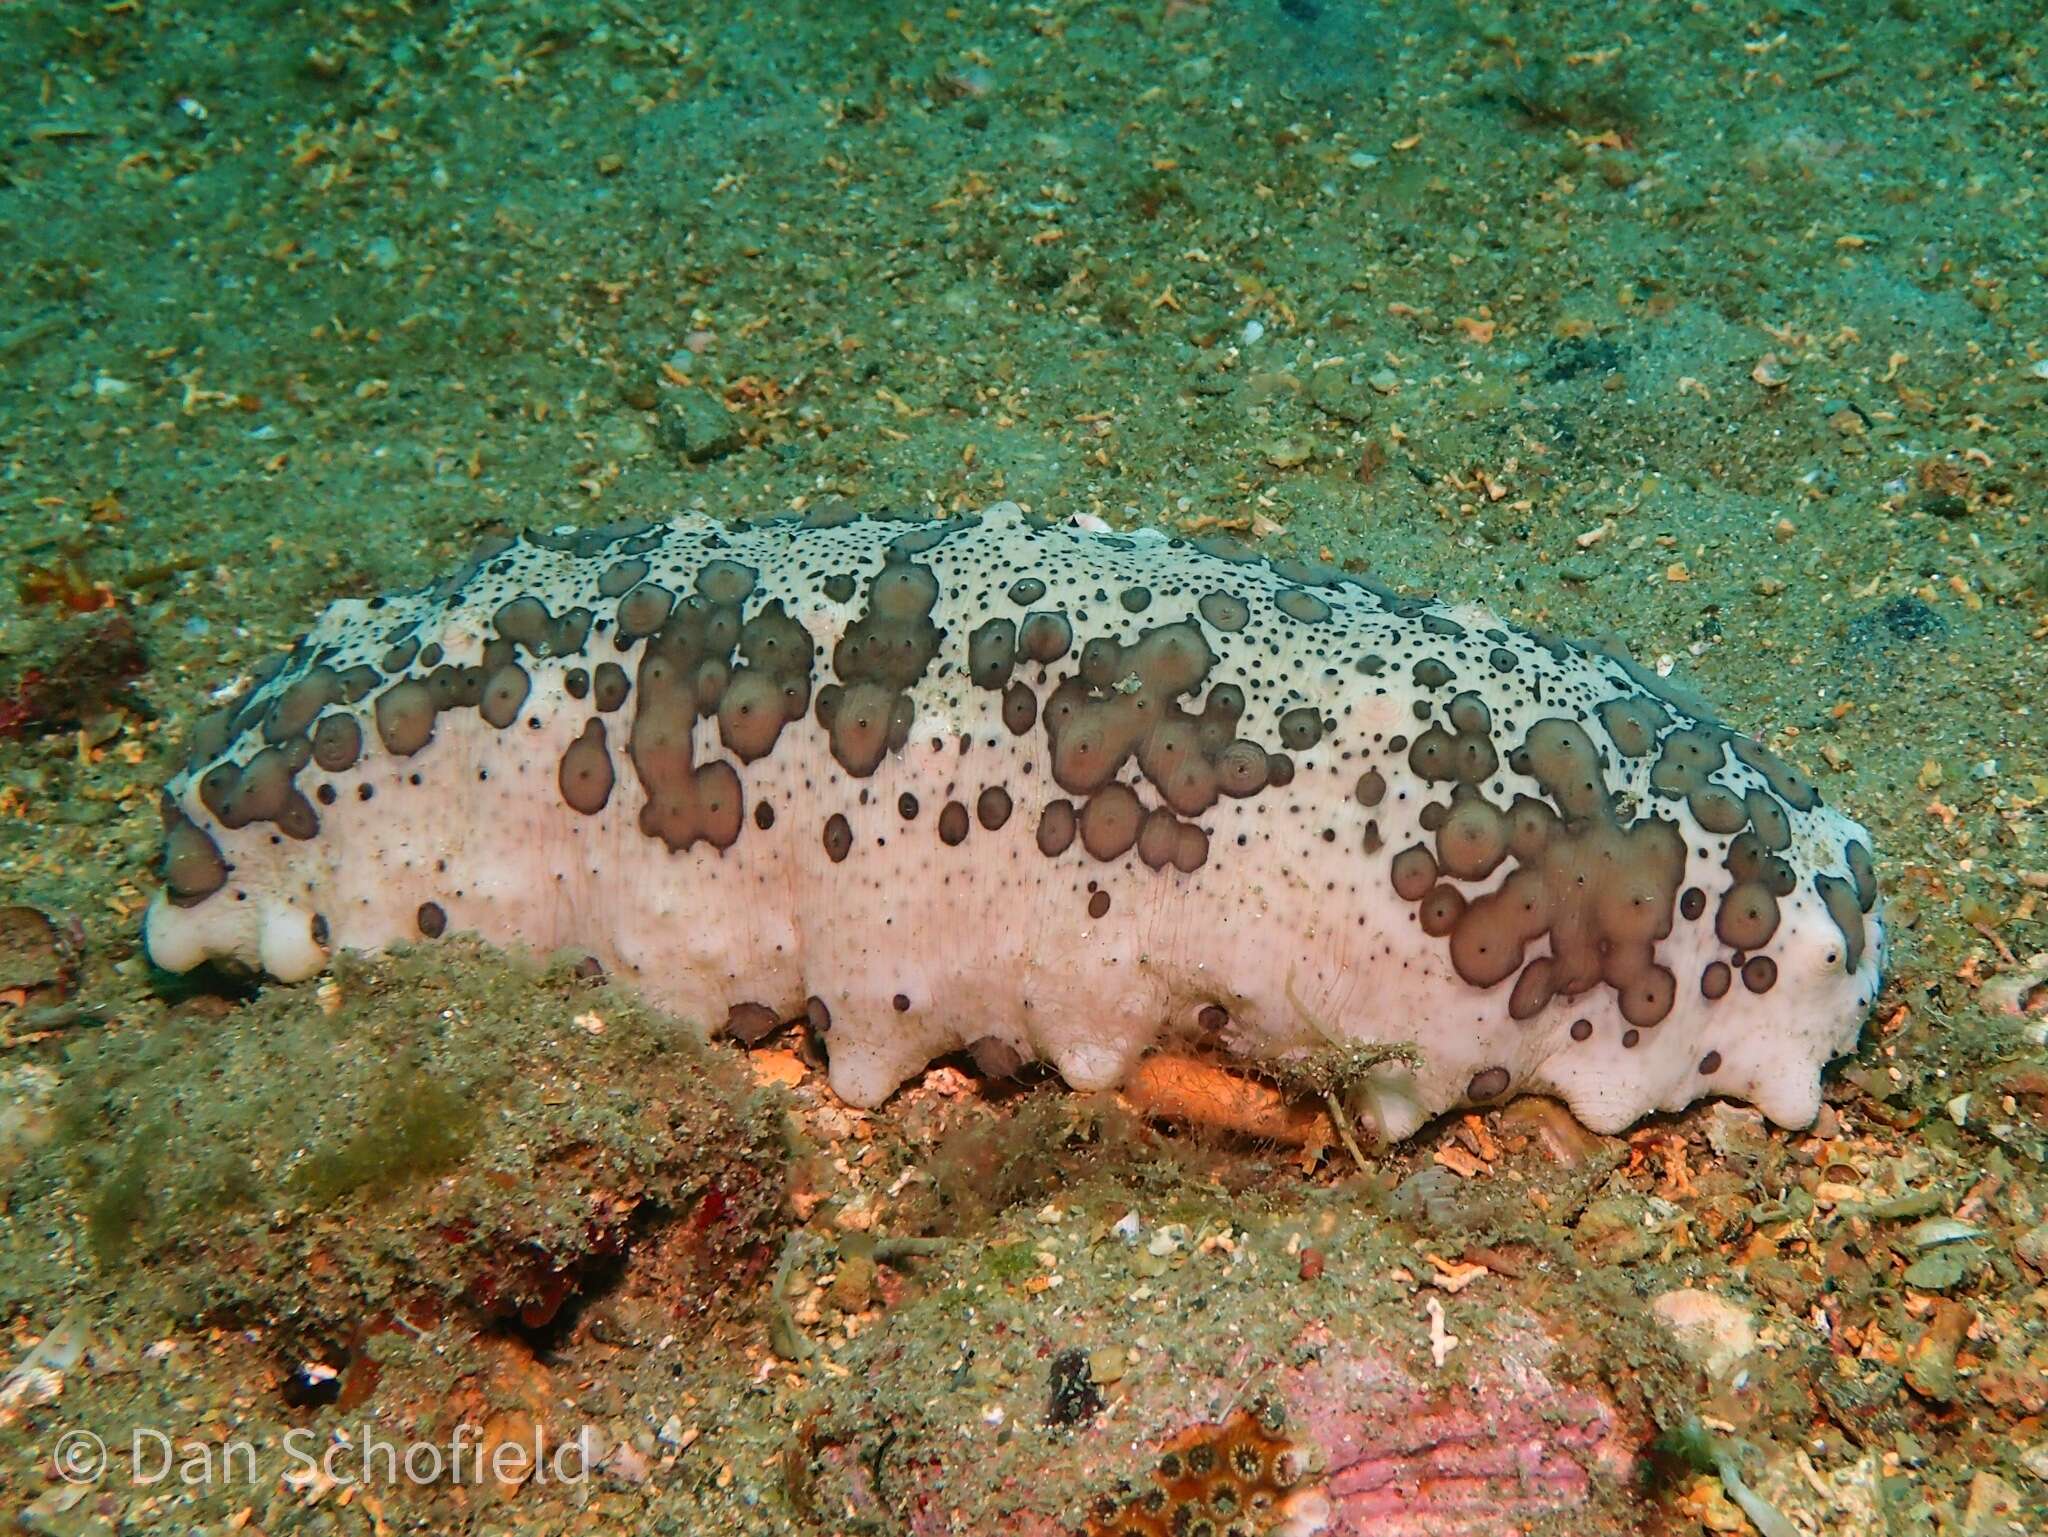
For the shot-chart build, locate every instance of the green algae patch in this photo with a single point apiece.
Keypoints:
(413, 1129)
(119, 1200)
(441, 1128)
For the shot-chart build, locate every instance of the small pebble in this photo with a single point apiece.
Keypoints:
(697, 426)
(2033, 1247)
(1107, 1364)
(1713, 1331)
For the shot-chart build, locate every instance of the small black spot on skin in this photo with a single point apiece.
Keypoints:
(906, 806)
(764, 815)
(1301, 606)
(1301, 728)
(1224, 612)
(585, 774)
(1045, 636)
(902, 1003)
(1631, 1036)
(838, 837)
(992, 808)
(1582, 1029)
(1020, 708)
(1056, 828)
(1490, 1084)
(337, 742)
(953, 824)
(1862, 875)
(320, 930)
(995, 1058)
(431, 920)
(992, 653)
(1693, 902)
(1710, 1064)
(612, 686)
(1098, 905)
(751, 1023)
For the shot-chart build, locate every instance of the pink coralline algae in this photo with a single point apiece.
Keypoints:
(1412, 1454)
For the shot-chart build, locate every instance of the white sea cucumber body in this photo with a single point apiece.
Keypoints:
(903, 856)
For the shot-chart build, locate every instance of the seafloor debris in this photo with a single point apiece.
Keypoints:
(667, 1186)
(1365, 1436)
(38, 956)
(81, 684)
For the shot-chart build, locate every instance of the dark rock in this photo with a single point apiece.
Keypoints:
(698, 427)
(1075, 1400)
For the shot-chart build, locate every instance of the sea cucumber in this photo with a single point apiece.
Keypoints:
(1043, 792)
